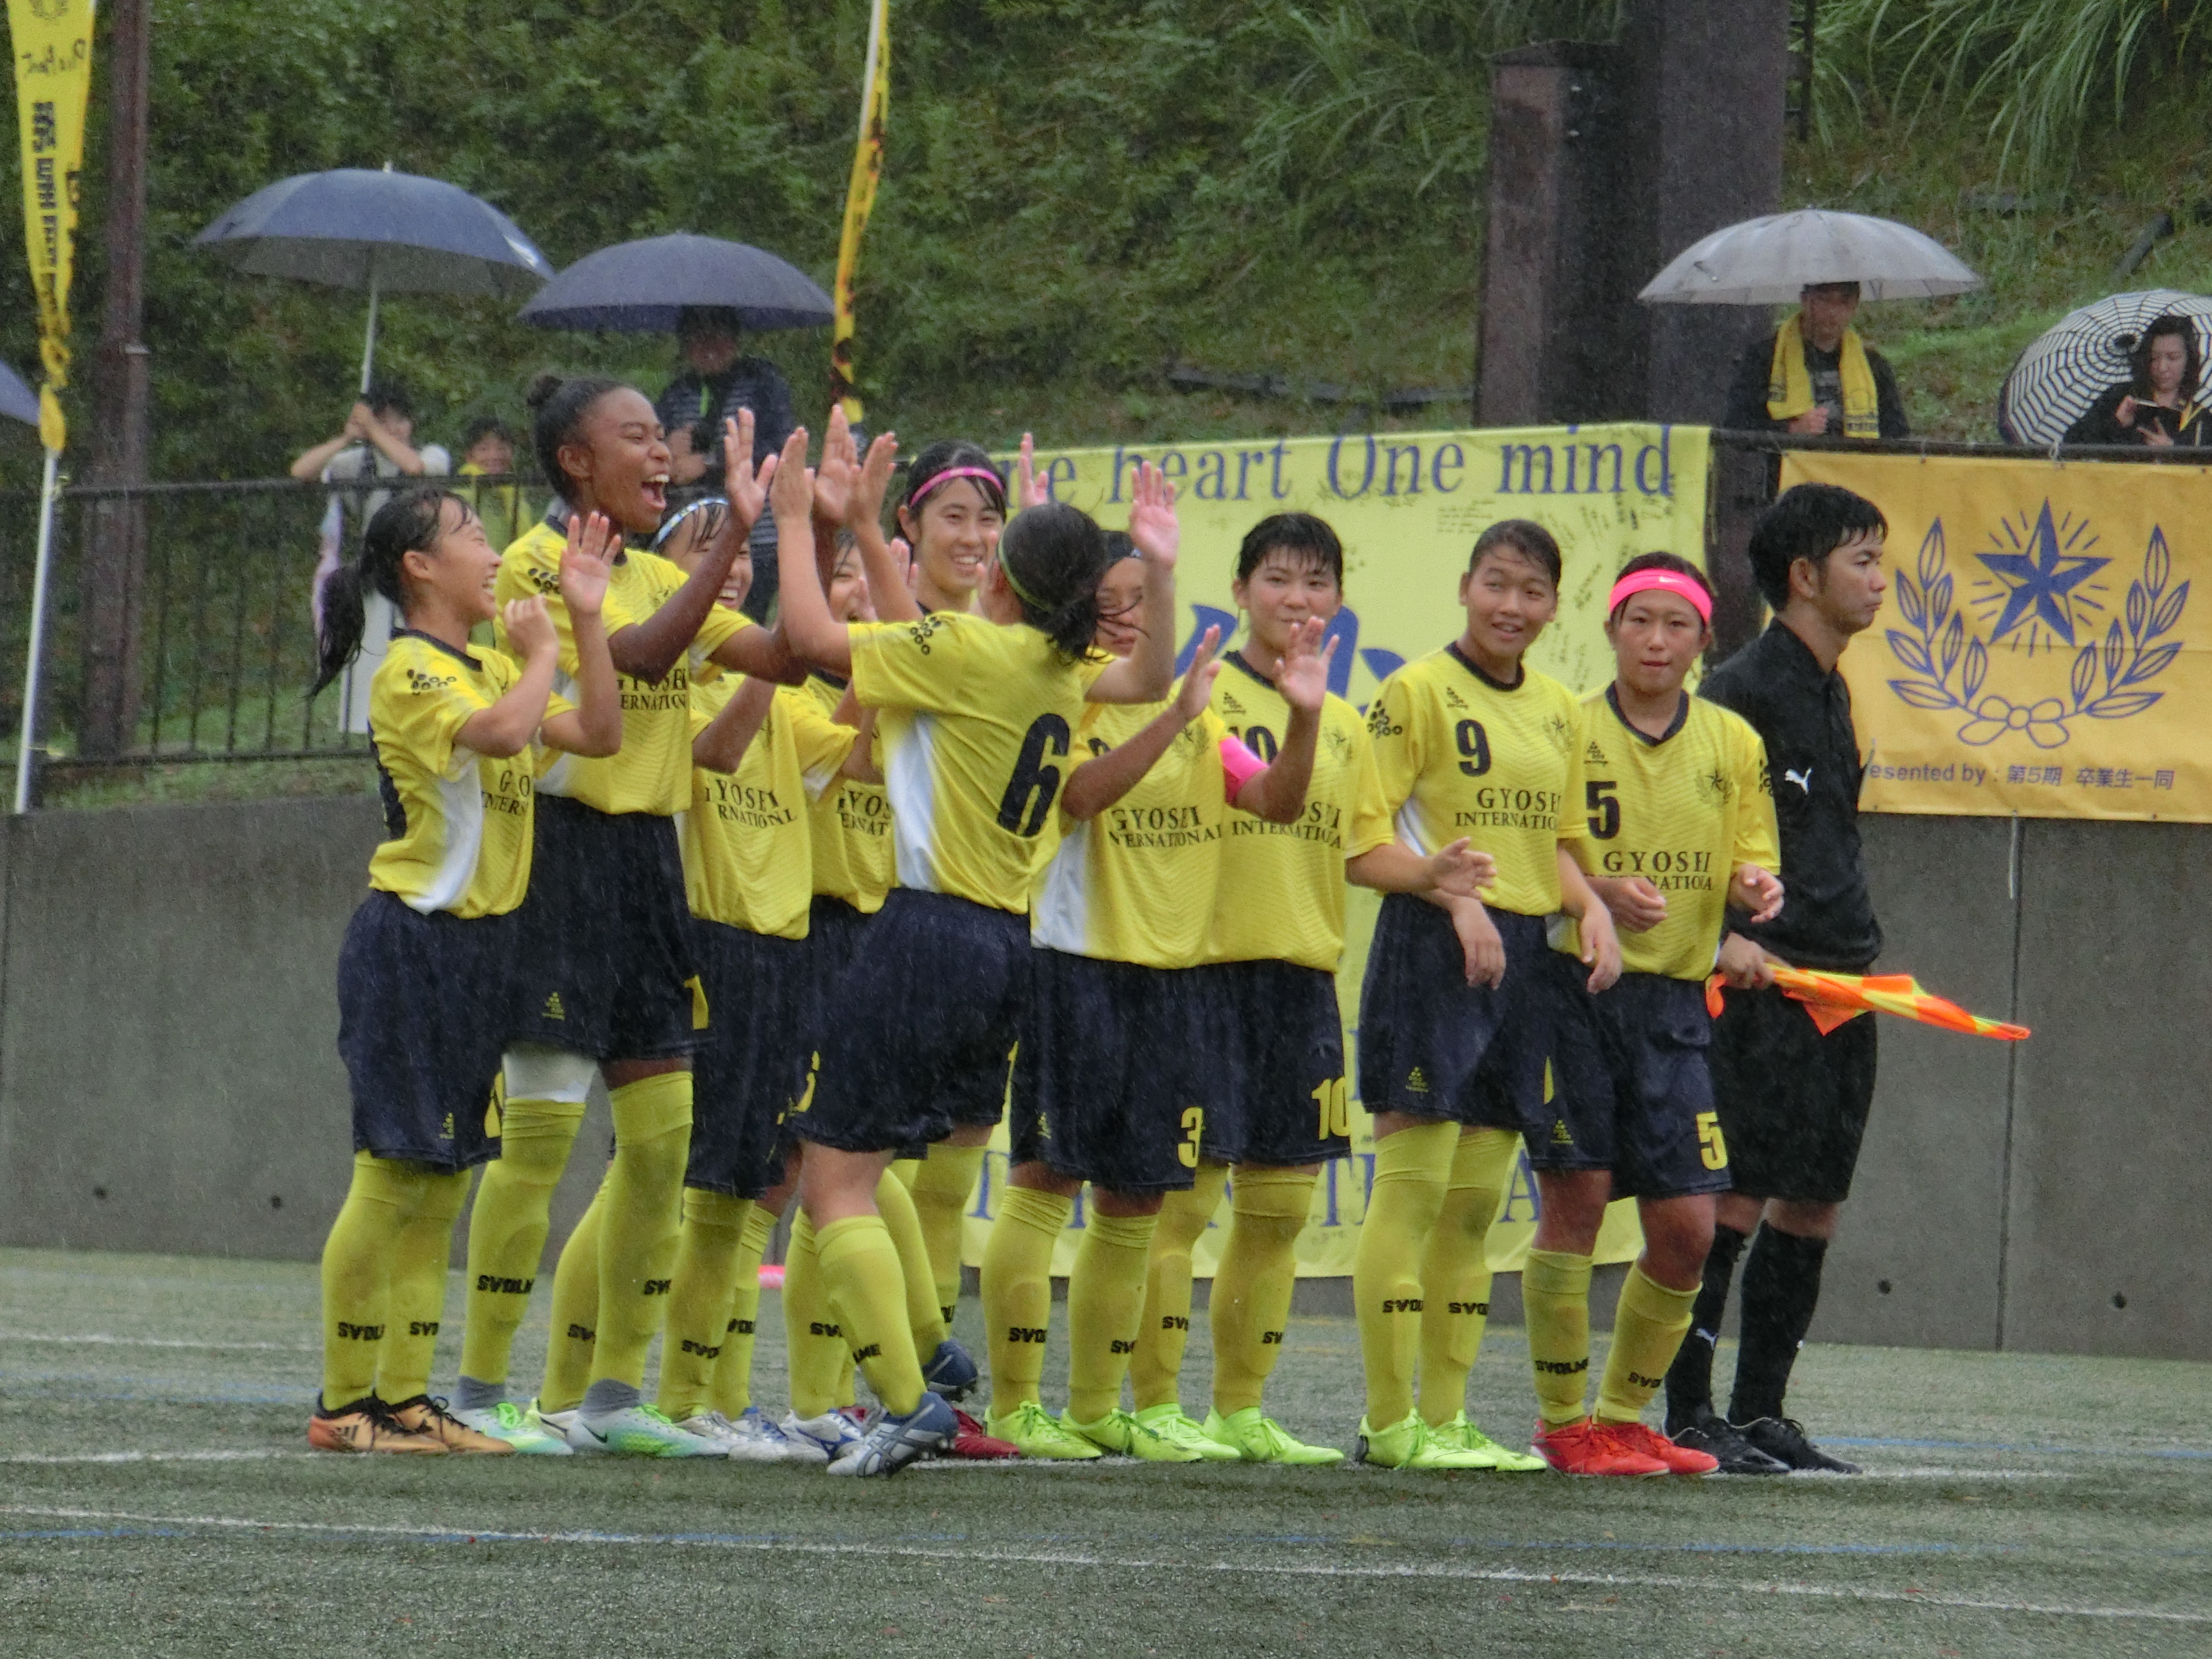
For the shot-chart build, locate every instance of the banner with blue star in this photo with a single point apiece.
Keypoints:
(2038, 651)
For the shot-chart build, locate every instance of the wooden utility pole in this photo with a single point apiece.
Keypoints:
(115, 527)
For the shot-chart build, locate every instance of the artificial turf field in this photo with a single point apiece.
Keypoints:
(156, 1497)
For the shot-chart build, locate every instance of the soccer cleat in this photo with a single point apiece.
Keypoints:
(1172, 1423)
(639, 1431)
(1782, 1438)
(424, 1415)
(1120, 1432)
(1459, 1435)
(1583, 1447)
(1711, 1433)
(1411, 1445)
(1678, 1460)
(708, 1426)
(1256, 1437)
(970, 1441)
(751, 1439)
(950, 1372)
(892, 1442)
(1034, 1432)
(520, 1427)
(367, 1425)
(833, 1434)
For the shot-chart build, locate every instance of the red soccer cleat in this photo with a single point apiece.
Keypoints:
(1678, 1460)
(972, 1442)
(1586, 1446)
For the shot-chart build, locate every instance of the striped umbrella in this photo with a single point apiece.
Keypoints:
(2065, 368)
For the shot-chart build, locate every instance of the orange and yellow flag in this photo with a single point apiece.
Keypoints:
(860, 197)
(1832, 999)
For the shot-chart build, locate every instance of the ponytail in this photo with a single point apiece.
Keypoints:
(558, 409)
(1053, 557)
(408, 523)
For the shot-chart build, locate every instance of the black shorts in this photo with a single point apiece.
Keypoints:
(424, 1010)
(924, 1020)
(1110, 1078)
(1794, 1104)
(605, 956)
(1280, 1097)
(1433, 1045)
(752, 1059)
(1631, 1091)
(834, 933)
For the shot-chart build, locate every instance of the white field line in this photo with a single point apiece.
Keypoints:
(1131, 1563)
(103, 1339)
(240, 1457)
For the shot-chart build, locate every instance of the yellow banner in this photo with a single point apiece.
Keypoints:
(1408, 507)
(860, 200)
(52, 43)
(2035, 655)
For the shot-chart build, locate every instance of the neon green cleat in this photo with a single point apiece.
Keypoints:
(1118, 1432)
(1412, 1445)
(1258, 1438)
(1034, 1431)
(1461, 1436)
(518, 1426)
(639, 1431)
(1178, 1428)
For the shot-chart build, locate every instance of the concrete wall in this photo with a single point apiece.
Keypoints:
(169, 1079)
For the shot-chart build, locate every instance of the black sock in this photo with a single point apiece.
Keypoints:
(1690, 1378)
(1781, 1287)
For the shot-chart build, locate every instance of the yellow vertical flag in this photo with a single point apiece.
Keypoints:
(860, 197)
(52, 43)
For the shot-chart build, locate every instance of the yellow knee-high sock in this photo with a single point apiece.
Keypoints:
(1455, 1270)
(895, 1205)
(419, 1262)
(867, 1288)
(733, 1372)
(642, 1220)
(1164, 1331)
(940, 1188)
(506, 1228)
(1411, 1169)
(1555, 1303)
(813, 1340)
(572, 1346)
(1105, 1305)
(701, 1289)
(357, 1274)
(1252, 1286)
(1649, 1324)
(1016, 1286)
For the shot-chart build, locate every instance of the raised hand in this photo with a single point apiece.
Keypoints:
(791, 492)
(1198, 678)
(902, 557)
(529, 625)
(864, 503)
(1153, 525)
(745, 486)
(1029, 490)
(587, 563)
(1460, 871)
(1757, 892)
(1303, 679)
(840, 468)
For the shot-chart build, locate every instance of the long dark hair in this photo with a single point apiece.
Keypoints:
(1053, 557)
(408, 523)
(558, 409)
(2192, 370)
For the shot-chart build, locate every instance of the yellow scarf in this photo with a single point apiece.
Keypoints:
(1790, 383)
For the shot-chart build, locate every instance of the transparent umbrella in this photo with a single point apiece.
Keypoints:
(1762, 262)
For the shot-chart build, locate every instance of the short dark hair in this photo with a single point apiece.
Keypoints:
(485, 426)
(2192, 371)
(1525, 537)
(1053, 557)
(394, 395)
(1669, 562)
(1809, 521)
(1301, 534)
(692, 320)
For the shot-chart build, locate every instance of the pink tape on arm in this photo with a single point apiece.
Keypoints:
(1239, 765)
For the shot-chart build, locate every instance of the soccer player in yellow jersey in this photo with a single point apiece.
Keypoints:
(1681, 830)
(1281, 1105)
(1469, 741)
(607, 962)
(978, 715)
(424, 974)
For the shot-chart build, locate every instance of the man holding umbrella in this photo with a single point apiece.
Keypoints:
(1814, 376)
(716, 383)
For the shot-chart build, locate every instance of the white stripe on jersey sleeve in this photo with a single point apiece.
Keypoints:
(1409, 829)
(910, 780)
(461, 801)
(1061, 917)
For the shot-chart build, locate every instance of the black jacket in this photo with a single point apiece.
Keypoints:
(1747, 397)
(2187, 425)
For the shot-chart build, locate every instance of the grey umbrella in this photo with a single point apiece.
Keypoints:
(1762, 262)
(389, 232)
(638, 288)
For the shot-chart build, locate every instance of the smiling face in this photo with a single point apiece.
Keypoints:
(493, 453)
(1508, 598)
(1284, 589)
(691, 536)
(1121, 590)
(954, 537)
(459, 566)
(618, 462)
(1656, 636)
(849, 598)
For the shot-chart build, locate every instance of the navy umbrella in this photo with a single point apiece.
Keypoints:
(638, 288)
(17, 401)
(389, 232)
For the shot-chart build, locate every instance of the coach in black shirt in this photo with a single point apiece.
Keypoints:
(1793, 1102)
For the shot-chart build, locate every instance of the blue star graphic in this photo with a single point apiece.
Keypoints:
(2041, 579)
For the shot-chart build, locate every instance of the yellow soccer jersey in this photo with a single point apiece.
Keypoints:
(745, 838)
(653, 772)
(977, 721)
(1136, 883)
(1683, 812)
(457, 824)
(1461, 755)
(851, 824)
(1281, 893)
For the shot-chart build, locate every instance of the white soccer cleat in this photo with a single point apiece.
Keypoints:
(833, 1434)
(753, 1439)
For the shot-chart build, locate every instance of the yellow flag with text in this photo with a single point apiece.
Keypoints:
(52, 43)
(859, 201)
(1408, 507)
(2040, 650)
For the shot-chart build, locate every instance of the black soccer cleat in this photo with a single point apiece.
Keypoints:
(1783, 1438)
(1709, 1433)
(950, 1372)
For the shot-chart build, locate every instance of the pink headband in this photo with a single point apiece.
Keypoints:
(997, 484)
(1668, 581)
